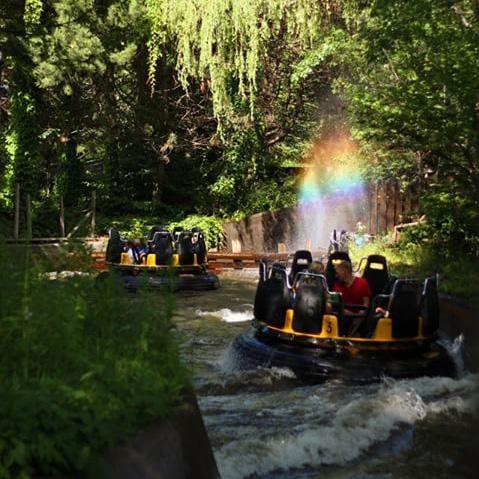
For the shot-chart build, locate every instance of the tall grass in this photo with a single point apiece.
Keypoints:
(82, 366)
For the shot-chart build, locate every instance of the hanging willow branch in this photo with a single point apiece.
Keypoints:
(225, 41)
(32, 14)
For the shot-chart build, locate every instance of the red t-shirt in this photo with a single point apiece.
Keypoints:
(355, 293)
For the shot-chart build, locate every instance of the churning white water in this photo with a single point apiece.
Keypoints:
(265, 424)
(228, 315)
(326, 425)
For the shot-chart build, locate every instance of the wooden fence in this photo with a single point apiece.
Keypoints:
(24, 203)
(382, 206)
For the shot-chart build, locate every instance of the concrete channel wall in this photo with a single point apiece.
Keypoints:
(265, 232)
(176, 447)
(378, 206)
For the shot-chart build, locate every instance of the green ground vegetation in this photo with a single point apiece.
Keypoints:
(83, 366)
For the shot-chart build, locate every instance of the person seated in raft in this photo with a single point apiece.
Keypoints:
(354, 290)
(316, 267)
(142, 250)
(136, 251)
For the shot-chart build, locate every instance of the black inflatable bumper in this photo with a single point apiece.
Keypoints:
(181, 282)
(250, 350)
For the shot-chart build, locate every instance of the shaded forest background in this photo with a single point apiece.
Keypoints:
(169, 108)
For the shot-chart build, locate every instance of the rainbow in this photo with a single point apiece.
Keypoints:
(331, 191)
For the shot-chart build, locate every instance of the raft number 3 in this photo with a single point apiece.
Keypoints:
(329, 327)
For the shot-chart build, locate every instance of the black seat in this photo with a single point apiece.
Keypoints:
(198, 245)
(376, 273)
(330, 271)
(273, 296)
(162, 246)
(176, 233)
(152, 232)
(404, 308)
(430, 306)
(114, 246)
(310, 303)
(263, 269)
(301, 261)
(185, 248)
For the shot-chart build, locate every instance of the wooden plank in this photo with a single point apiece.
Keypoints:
(75, 229)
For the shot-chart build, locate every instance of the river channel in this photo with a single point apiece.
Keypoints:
(267, 424)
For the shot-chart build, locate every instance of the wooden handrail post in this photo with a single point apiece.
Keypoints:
(62, 218)
(16, 225)
(93, 215)
(29, 216)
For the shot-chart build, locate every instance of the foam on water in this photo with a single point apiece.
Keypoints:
(341, 430)
(456, 350)
(228, 315)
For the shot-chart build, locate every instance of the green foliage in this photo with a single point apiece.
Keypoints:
(72, 52)
(4, 166)
(83, 367)
(226, 41)
(134, 227)
(458, 275)
(70, 181)
(412, 88)
(33, 13)
(22, 146)
(176, 107)
(211, 227)
(452, 224)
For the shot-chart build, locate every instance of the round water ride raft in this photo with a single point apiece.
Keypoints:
(176, 260)
(301, 324)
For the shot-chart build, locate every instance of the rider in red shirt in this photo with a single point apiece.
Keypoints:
(354, 290)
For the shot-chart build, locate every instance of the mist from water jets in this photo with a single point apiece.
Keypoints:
(332, 194)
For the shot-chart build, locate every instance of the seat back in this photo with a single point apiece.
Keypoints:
(263, 270)
(330, 271)
(114, 246)
(152, 232)
(376, 273)
(162, 246)
(301, 261)
(273, 297)
(404, 308)
(430, 306)
(309, 303)
(176, 233)
(184, 247)
(198, 245)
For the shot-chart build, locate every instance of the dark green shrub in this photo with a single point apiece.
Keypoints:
(82, 367)
(451, 226)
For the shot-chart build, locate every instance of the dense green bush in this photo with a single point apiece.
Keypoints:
(458, 274)
(211, 227)
(82, 367)
(452, 224)
(134, 227)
